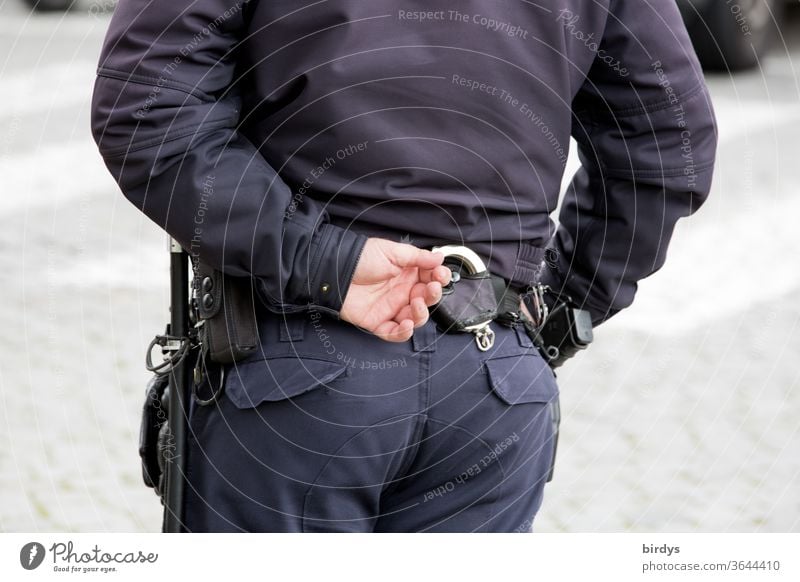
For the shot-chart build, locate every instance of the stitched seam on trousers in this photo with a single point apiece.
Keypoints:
(549, 442)
(424, 381)
(410, 455)
(191, 471)
(491, 504)
(416, 435)
(324, 468)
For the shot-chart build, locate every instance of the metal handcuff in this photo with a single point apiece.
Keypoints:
(479, 312)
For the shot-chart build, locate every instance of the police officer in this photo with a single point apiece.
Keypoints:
(322, 149)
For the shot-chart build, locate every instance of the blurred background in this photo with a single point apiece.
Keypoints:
(683, 416)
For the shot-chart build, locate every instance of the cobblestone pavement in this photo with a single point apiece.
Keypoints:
(682, 417)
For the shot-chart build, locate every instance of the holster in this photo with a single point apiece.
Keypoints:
(566, 331)
(153, 432)
(228, 328)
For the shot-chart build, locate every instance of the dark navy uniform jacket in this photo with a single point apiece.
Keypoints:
(272, 137)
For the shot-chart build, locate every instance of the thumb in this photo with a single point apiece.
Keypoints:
(404, 255)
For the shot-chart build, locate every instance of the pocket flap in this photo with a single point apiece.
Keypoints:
(523, 378)
(273, 379)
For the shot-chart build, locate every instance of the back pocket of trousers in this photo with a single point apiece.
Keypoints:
(279, 378)
(521, 379)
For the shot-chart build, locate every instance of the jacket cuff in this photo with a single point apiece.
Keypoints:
(332, 265)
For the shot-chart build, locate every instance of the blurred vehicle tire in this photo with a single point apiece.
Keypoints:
(731, 34)
(50, 5)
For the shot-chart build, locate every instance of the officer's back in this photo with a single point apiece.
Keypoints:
(295, 144)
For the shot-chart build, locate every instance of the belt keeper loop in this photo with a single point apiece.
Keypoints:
(522, 337)
(508, 301)
(292, 328)
(424, 338)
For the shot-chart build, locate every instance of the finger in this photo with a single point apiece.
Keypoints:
(433, 293)
(419, 311)
(404, 330)
(404, 314)
(441, 274)
(385, 330)
(416, 310)
(418, 290)
(404, 255)
(392, 331)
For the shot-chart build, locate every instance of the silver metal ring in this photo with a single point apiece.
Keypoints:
(468, 257)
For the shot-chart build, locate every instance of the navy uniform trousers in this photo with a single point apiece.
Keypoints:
(330, 429)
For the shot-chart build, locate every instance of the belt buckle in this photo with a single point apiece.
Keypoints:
(484, 335)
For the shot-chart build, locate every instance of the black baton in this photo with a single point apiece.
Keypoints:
(179, 383)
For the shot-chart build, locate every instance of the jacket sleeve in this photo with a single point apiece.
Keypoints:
(647, 139)
(165, 116)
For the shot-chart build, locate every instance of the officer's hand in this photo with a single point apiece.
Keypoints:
(392, 287)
